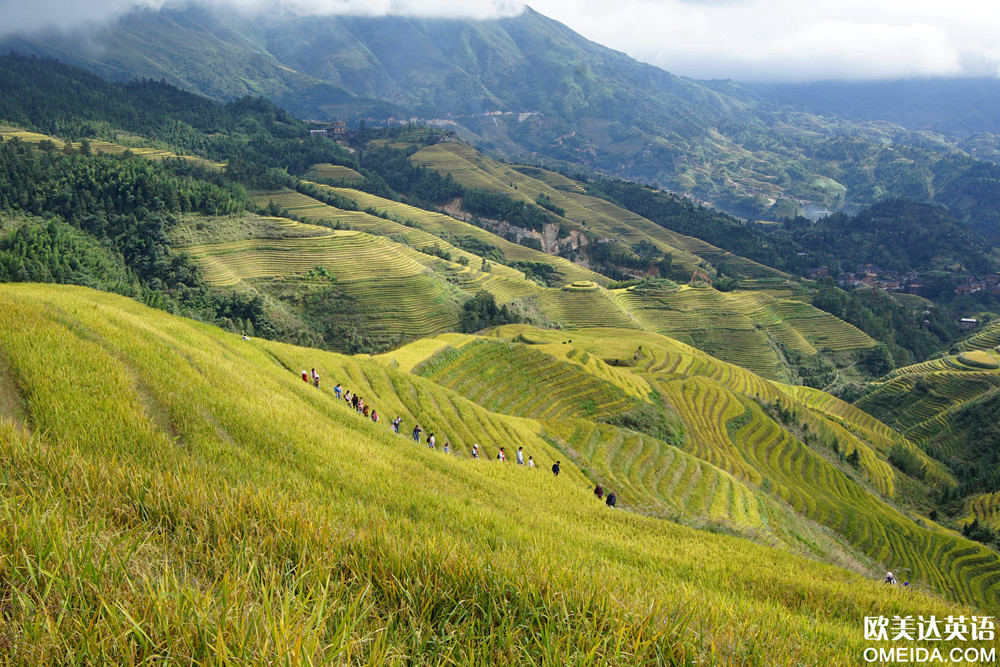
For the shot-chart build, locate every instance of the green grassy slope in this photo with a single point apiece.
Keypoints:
(189, 498)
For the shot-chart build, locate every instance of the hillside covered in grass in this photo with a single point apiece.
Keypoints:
(171, 491)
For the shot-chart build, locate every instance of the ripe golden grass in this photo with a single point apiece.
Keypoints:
(172, 493)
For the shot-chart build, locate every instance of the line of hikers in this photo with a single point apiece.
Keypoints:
(358, 404)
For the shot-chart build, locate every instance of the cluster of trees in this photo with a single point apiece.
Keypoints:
(908, 335)
(481, 311)
(102, 221)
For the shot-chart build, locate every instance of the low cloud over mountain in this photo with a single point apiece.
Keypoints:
(749, 40)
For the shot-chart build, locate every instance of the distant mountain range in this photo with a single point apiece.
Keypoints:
(562, 100)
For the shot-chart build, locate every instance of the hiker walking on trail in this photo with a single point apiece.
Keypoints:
(531, 462)
(354, 401)
(315, 378)
(364, 411)
(555, 468)
(416, 433)
(374, 416)
(520, 456)
(305, 376)
(430, 441)
(889, 579)
(395, 424)
(336, 390)
(612, 500)
(502, 456)
(599, 492)
(447, 447)
(475, 451)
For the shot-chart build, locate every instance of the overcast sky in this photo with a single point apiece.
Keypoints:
(748, 40)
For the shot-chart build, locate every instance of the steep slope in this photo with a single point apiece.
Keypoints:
(752, 438)
(189, 497)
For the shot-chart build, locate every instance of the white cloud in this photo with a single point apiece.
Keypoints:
(795, 40)
(739, 39)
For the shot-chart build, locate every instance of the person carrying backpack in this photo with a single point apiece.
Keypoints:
(337, 391)
(612, 500)
(430, 441)
(315, 378)
(395, 424)
(475, 451)
(555, 468)
(502, 456)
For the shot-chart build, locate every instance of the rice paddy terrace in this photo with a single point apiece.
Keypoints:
(401, 295)
(582, 212)
(921, 400)
(189, 498)
(741, 326)
(439, 223)
(7, 133)
(750, 459)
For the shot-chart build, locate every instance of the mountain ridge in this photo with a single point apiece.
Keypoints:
(569, 100)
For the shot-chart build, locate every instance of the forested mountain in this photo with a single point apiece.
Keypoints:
(559, 96)
(963, 106)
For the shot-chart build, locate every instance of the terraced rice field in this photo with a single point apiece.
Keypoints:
(987, 339)
(348, 254)
(582, 211)
(335, 172)
(863, 428)
(437, 223)
(816, 489)
(265, 464)
(709, 320)
(504, 282)
(986, 508)
(399, 294)
(822, 329)
(515, 379)
(654, 476)
(97, 146)
(580, 309)
(925, 397)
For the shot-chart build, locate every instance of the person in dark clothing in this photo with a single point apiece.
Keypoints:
(599, 492)
(555, 468)
(416, 433)
(612, 500)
